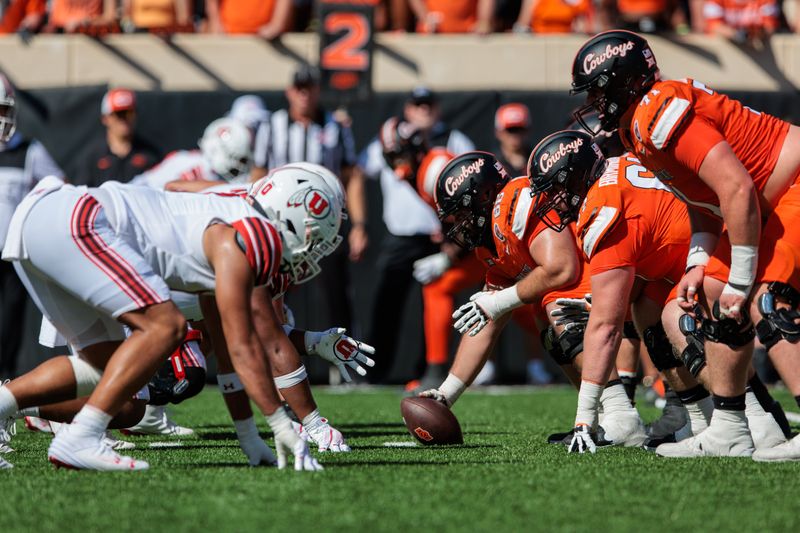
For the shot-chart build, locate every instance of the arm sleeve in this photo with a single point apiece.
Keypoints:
(693, 142)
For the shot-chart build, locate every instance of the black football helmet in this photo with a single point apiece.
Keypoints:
(616, 68)
(609, 142)
(465, 192)
(561, 168)
(404, 146)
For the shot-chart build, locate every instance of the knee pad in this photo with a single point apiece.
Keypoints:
(629, 331)
(726, 330)
(86, 376)
(659, 348)
(181, 377)
(694, 355)
(562, 348)
(777, 324)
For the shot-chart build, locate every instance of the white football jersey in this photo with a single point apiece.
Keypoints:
(186, 165)
(167, 229)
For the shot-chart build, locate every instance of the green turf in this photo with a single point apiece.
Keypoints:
(504, 478)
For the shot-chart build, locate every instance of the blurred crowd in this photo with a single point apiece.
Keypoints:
(738, 20)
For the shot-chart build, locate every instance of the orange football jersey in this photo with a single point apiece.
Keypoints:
(678, 122)
(558, 16)
(631, 219)
(514, 227)
(429, 170)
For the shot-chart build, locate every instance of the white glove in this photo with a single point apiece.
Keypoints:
(431, 268)
(257, 451)
(288, 442)
(484, 306)
(572, 313)
(437, 395)
(582, 441)
(340, 350)
(325, 436)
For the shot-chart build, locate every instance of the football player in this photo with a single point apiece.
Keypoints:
(529, 265)
(733, 166)
(635, 235)
(132, 245)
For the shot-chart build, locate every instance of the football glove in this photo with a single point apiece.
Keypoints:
(582, 441)
(484, 306)
(572, 313)
(287, 442)
(326, 437)
(340, 350)
(431, 268)
(257, 451)
(435, 394)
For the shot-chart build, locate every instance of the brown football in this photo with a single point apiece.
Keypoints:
(430, 422)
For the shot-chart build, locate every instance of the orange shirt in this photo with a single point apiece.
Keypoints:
(631, 219)
(63, 12)
(558, 16)
(153, 13)
(678, 122)
(245, 16)
(455, 16)
(636, 8)
(514, 227)
(741, 14)
(18, 10)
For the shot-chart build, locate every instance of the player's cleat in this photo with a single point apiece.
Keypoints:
(621, 428)
(326, 437)
(788, 451)
(726, 436)
(537, 373)
(672, 419)
(34, 423)
(764, 430)
(77, 451)
(564, 437)
(117, 444)
(5, 465)
(8, 428)
(156, 422)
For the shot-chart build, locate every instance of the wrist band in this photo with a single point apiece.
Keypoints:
(744, 260)
(701, 247)
(229, 383)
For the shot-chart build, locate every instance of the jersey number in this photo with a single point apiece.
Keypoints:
(634, 174)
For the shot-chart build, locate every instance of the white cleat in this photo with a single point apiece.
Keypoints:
(5, 465)
(34, 423)
(326, 437)
(156, 422)
(788, 451)
(8, 428)
(116, 444)
(764, 429)
(672, 419)
(623, 428)
(76, 451)
(727, 436)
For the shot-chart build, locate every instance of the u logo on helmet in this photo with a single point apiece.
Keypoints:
(317, 205)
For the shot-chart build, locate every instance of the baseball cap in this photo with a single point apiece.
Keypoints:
(512, 115)
(118, 100)
(422, 95)
(305, 76)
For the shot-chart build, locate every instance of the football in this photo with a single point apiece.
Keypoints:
(430, 422)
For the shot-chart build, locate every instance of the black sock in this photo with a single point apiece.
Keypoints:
(695, 394)
(729, 403)
(797, 399)
(613, 382)
(630, 383)
(760, 390)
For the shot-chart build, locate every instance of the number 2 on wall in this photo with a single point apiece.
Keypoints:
(346, 52)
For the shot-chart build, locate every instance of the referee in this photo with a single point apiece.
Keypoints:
(306, 132)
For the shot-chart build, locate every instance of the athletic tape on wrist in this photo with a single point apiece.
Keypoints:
(86, 376)
(229, 383)
(508, 299)
(292, 378)
(744, 260)
(452, 387)
(701, 247)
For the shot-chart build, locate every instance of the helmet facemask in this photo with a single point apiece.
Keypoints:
(8, 118)
(468, 229)
(303, 248)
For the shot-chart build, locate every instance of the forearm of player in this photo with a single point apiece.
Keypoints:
(473, 352)
(252, 366)
(542, 280)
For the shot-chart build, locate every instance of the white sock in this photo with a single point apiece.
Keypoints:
(700, 414)
(614, 398)
(588, 400)
(92, 420)
(312, 419)
(752, 406)
(28, 411)
(8, 404)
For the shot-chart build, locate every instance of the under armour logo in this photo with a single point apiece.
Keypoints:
(227, 386)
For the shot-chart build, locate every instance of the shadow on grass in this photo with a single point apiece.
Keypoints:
(426, 449)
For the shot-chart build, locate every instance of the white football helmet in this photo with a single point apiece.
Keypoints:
(226, 145)
(8, 110)
(308, 215)
(334, 183)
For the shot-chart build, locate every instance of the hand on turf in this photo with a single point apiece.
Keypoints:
(341, 351)
(431, 268)
(257, 451)
(437, 395)
(572, 313)
(326, 437)
(582, 441)
(289, 443)
(689, 286)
